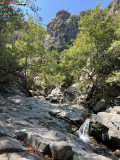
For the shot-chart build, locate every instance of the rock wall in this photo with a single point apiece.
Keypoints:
(61, 30)
(114, 7)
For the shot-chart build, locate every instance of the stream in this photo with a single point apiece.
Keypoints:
(97, 147)
(84, 131)
(46, 126)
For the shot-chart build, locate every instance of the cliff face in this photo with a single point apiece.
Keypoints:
(61, 30)
(64, 27)
(114, 7)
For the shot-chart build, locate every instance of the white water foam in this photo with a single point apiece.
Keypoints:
(84, 131)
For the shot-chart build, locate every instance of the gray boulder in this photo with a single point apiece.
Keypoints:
(10, 144)
(19, 156)
(91, 157)
(70, 93)
(100, 105)
(2, 100)
(106, 125)
(61, 150)
(56, 96)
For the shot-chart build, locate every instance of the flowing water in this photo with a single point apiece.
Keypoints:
(84, 131)
(97, 147)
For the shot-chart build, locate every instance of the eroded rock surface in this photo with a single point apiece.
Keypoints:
(106, 126)
(19, 156)
(41, 124)
(61, 30)
(44, 125)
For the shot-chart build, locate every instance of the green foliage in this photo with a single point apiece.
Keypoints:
(10, 20)
(115, 77)
(115, 49)
(30, 47)
(50, 73)
(100, 127)
(94, 53)
(97, 32)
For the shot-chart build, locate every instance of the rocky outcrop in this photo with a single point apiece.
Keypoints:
(61, 30)
(106, 126)
(114, 7)
(56, 96)
(93, 157)
(19, 156)
(61, 150)
(45, 126)
(70, 93)
(100, 105)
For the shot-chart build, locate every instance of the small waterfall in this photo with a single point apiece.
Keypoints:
(84, 131)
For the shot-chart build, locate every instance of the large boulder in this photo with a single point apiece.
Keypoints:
(76, 113)
(106, 126)
(56, 96)
(70, 93)
(100, 105)
(19, 156)
(91, 157)
(61, 150)
(10, 144)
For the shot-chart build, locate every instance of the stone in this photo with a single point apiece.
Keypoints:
(70, 93)
(117, 152)
(61, 150)
(76, 113)
(113, 7)
(63, 14)
(2, 100)
(56, 91)
(19, 156)
(21, 135)
(100, 105)
(95, 157)
(108, 126)
(10, 144)
(43, 125)
(56, 96)
(61, 30)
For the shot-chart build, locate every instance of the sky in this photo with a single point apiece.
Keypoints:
(49, 8)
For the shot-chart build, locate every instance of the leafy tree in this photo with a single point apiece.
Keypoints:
(10, 20)
(88, 52)
(49, 72)
(115, 50)
(30, 47)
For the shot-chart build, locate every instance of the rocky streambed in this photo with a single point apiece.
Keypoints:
(49, 128)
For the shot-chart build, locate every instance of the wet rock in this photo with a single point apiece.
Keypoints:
(61, 150)
(108, 123)
(95, 157)
(78, 146)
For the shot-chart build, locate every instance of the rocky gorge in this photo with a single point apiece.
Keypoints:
(58, 121)
(53, 129)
